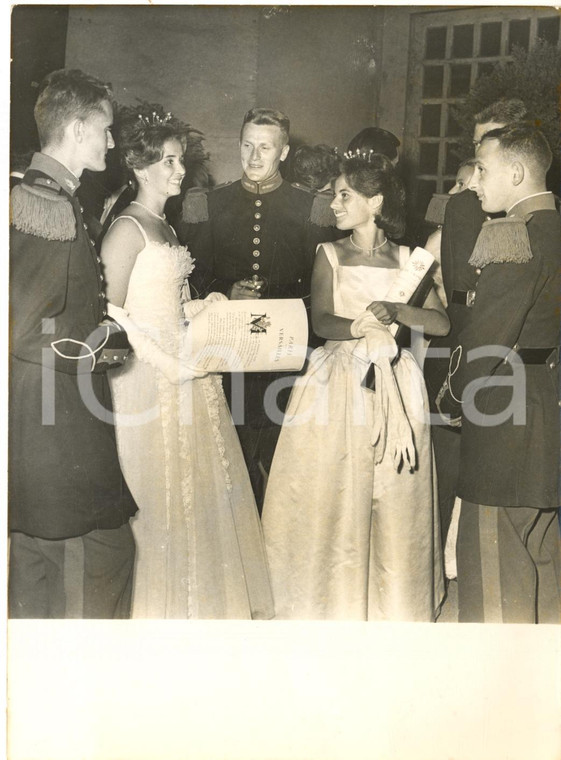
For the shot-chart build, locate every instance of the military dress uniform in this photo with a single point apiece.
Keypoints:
(508, 540)
(270, 229)
(69, 506)
(462, 218)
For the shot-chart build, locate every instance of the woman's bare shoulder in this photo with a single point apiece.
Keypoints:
(338, 247)
(124, 235)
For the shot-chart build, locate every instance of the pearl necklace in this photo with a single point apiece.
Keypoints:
(161, 218)
(368, 251)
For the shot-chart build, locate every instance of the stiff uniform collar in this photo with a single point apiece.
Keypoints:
(537, 202)
(261, 188)
(63, 176)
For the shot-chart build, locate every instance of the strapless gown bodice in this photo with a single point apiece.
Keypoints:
(159, 288)
(200, 550)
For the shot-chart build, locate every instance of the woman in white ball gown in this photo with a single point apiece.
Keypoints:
(351, 515)
(200, 546)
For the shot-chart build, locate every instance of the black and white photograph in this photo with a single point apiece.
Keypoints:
(282, 320)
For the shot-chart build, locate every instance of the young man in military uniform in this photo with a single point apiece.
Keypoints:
(503, 385)
(254, 238)
(462, 217)
(71, 545)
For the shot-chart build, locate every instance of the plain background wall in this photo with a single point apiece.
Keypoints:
(333, 69)
(210, 64)
(38, 43)
(394, 30)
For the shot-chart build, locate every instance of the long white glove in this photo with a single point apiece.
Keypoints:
(192, 308)
(391, 429)
(175, 368)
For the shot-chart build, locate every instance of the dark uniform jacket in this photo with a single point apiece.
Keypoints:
(463, 218)
(271, 229)
(244, 228)
(514, 462)
(64, 474)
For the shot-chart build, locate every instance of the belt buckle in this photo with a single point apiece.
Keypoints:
(470, 298)
(113, 357)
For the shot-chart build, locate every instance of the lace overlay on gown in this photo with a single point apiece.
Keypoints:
(200, 550)
(348, 538)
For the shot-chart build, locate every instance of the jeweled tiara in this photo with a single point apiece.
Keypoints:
(155, 119)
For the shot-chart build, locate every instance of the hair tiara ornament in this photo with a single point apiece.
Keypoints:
(358, 153)
(155, 120)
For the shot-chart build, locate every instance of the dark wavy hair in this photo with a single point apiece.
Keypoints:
(141, 141)
(375, 140)
(315, 165)
(377, 176)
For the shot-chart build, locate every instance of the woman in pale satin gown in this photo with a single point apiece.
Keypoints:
(351, 515)
(200, 550)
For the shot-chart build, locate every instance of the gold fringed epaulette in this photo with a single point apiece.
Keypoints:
(42, 213)
(195, 205)
(321, 212)
(502, 241)
(436, 208)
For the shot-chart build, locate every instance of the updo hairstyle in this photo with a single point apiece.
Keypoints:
(375, 140)
(141, 141)
(376, 175)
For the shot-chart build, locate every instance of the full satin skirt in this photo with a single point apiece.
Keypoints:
(348, 538)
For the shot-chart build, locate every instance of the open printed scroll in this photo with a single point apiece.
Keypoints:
(249, 336)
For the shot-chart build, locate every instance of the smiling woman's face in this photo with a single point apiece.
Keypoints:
(351, 208)
(166, 175)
